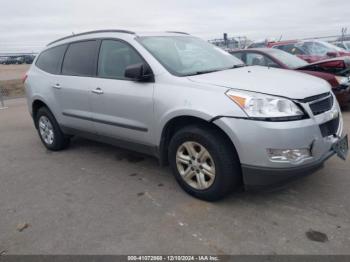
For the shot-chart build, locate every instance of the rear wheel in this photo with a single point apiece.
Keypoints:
(204, 162)
(49, 131)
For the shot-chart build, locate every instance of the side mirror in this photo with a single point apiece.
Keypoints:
(332, 54)
(139, 72)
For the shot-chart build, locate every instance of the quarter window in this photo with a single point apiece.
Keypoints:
(80, 59)
(50, 60)
(115, 57)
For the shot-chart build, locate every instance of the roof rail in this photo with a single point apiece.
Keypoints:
(177, 32)
(93, 32)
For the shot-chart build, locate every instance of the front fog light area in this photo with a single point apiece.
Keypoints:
(289, 155)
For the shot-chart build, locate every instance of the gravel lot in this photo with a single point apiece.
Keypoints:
(98, 199)
(11, 72)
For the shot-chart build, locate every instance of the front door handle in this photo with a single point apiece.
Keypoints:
(97, 91)
(57, 86)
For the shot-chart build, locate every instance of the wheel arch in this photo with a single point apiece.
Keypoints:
(36, 105)
(178, 122)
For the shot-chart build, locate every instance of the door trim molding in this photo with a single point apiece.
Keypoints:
(137, 128)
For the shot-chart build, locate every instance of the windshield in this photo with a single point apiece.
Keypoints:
(289, 60)
(319, 48)
(187, 55)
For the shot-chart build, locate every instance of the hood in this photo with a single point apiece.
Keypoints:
(266, 80)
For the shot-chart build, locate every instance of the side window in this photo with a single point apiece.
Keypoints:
(291, 48)
(80, 59)
(238, 55)
(114, 57)
(259, 59)
(50, 60)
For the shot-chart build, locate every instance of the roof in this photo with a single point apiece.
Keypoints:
(119, 32)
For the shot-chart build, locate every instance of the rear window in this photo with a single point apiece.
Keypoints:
(50, 60)
(80, 59)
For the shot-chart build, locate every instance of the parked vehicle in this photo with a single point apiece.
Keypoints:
(310, 51)
(3, 60)
(343, 44)
(19, 60)
(335, 71)
(9, 61)
(28, 59)
(217, 123)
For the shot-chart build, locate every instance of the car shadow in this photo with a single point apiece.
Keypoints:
(140, 160)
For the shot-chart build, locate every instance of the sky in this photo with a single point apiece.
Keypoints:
(29, 25)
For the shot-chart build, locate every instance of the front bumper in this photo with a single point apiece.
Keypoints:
(256, 178)
(253, 138)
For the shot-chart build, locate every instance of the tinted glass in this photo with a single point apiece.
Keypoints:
(51, 59)
(114, 57)
(80, 59)
(260, 60)
(187, 55)
(238, 55)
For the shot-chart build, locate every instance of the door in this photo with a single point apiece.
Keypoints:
(121, 108)
(74, 85)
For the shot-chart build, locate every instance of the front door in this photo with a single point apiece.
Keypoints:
(121, 108)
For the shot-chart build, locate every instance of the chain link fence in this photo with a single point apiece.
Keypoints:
(3, 94)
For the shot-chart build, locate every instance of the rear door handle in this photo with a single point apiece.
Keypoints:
(57, 86)
(97, 91)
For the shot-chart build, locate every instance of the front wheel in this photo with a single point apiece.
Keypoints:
(49, 131)
(204, 162)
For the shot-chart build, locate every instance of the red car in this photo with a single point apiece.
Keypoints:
(335, 71)
(310, 51)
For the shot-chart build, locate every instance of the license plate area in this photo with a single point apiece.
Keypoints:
(341, 147)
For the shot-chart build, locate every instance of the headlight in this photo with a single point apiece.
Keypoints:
(342, 80)
(266, 107)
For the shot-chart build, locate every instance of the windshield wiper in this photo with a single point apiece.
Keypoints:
(237, 66)
(216, 70)
(204, 72)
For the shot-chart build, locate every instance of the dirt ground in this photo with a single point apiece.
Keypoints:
(10, 80)
(11, 72)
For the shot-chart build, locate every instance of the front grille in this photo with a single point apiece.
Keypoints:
(330, 128)
(321, 106)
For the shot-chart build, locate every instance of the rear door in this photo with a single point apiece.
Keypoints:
(75, 83)
(121, 108)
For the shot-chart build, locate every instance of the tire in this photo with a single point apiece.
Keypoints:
(59, 141)
(222, 160)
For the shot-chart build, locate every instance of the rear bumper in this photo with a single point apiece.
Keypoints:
(258, 178)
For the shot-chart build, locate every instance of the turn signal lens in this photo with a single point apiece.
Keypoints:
(238, 99)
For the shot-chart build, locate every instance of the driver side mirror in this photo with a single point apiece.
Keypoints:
(332, 54)
(139, 72)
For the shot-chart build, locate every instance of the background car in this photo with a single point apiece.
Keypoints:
(279, 59)
(310, 51)
(10, 60)
(28, 59)
(3, 60)
(19, 60)
(344, 44)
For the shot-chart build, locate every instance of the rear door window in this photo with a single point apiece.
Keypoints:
(80, 59)
(260, 60)
(50, 60)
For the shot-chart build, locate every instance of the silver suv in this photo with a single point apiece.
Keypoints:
(217, 123)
